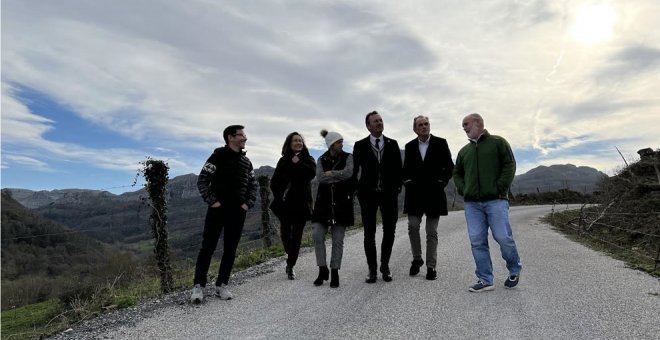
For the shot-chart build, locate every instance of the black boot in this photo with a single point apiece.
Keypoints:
(324, 274)
(290, 273)
(387, 275)
(372, 277)
(334, 278)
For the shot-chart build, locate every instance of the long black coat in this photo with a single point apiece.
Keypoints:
(291, 187)
(425, 180)
(389, 168)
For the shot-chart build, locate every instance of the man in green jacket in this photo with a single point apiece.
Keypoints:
(484, 170)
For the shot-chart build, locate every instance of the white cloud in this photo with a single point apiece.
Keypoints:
(23, 143)
(174, 75)
(8, 159)
(18, 123)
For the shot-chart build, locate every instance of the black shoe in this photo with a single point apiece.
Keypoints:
(387, 275)
(511, 281)
(334, 278)
(290, 273)
(431, 274)
(414, 268)
(372, 277)
(324, 273)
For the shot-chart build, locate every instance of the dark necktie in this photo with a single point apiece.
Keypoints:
(378, 143)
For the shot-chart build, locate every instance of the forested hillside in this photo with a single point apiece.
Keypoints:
(43, 259)
(123, 220)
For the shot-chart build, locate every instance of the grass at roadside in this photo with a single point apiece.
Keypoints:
(42, 319)
(606, 241)
(31, 321)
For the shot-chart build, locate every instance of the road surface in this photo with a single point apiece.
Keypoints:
(567, 291)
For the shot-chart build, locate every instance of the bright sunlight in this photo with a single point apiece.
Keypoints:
(593, 23)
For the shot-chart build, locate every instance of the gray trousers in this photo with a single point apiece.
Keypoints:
(414, 223)
(318, 232)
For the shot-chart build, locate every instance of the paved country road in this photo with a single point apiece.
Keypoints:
(567, 291)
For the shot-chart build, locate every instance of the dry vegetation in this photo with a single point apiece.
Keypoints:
(626, 221)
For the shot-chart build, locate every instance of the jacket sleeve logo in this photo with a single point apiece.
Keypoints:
(209, 167)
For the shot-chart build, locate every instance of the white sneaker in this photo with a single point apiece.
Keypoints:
(197, 295)
(223, 293)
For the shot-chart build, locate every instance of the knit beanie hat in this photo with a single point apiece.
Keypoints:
(330, 137)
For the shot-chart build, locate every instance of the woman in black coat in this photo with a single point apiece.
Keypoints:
(292, 192)
(333, 206)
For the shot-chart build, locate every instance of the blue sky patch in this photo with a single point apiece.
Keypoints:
(67, 126)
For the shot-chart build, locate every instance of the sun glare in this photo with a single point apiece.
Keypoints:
(593, 23)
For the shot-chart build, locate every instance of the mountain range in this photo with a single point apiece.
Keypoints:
(122, 220)
(582, 179)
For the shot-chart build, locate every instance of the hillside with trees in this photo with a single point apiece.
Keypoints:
(122, 220)
(42, 259)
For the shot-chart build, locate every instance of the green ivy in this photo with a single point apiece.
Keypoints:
(156, 175)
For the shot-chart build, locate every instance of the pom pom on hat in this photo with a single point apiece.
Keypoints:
(330, 137)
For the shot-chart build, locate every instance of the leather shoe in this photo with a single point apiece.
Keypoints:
(387, 275)
(431, 274)
(372, 277)
(414, 268)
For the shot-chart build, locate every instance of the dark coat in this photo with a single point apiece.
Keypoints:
(389, 169)
(228, 177)
(334, 201)
(425, 180)
(291, 187)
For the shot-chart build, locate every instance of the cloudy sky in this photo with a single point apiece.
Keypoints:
(90, 88)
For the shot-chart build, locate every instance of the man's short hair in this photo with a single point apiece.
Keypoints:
(478, 118)
(418, 117)
(366, 119)
(231, 130)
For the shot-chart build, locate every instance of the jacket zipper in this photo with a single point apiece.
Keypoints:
(476, 148)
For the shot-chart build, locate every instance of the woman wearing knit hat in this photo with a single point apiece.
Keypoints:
(292, 193)
(333, 206)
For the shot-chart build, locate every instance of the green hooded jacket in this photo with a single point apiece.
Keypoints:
(485, 169)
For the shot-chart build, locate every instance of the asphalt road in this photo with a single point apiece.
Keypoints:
(567, 291)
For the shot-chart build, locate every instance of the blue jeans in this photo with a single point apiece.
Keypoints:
(493, 214)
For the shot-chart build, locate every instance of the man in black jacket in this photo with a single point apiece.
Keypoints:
(426, 170)
(228, 186)
(377, 166)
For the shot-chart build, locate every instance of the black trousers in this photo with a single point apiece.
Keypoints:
(389, 211)
(231, 219)
(291, 232)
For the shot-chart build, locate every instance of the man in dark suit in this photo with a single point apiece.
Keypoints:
(426, 170)
(377, 166)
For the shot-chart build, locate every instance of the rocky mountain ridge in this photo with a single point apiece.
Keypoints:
(179, 187)
(582, 179)
(124, 219)
(540, 179)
